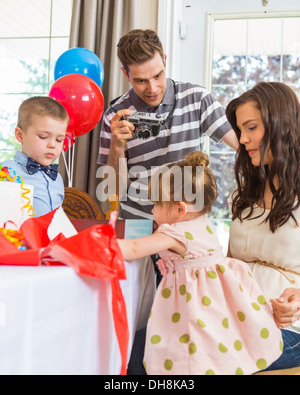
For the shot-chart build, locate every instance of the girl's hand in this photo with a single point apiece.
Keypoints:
(286, 309)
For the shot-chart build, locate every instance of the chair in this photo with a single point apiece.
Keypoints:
(79, 205)
(283, 372)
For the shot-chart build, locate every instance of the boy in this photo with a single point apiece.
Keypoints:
(41, 130)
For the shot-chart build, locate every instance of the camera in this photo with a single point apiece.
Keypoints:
(146, 124)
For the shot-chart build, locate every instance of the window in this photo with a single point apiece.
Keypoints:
(33, 34)
(244, 50)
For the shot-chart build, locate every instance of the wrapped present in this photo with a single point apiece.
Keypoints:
(52, 240)
(4, 172)
(15, 198)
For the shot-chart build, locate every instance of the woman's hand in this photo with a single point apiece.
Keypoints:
(286, 309)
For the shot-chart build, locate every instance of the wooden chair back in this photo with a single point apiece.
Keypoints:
(80, 205)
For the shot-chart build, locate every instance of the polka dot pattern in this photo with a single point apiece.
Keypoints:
(222, 348)
(204, 311)
(261, 364)
(201, 323)
(166, 293)
(192, 348)
(168, 365)
(225, 323)
(176, 317)
(206, 301)
(155, 339)
(241, 316)
(255, 306)
(184, 338)
(238, 345)
(182, 290)
(212, 275)
(189, 236)
(264, 333)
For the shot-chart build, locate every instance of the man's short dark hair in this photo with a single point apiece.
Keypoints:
(139, 46)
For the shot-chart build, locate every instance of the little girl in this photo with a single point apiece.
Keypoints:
(209, 316)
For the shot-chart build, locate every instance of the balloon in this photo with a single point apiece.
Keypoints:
(80, 61)
(69, 142)
(83, 100)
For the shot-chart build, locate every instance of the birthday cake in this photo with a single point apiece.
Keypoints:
(15, 199)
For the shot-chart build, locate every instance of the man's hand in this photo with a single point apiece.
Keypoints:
(287, 308)
(121, 130)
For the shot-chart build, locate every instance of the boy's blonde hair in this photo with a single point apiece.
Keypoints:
(42, 106)
(201, 183)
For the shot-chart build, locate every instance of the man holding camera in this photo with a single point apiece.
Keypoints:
(156, 122)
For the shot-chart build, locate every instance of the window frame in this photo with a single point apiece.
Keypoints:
(50, 37)
(212, 17)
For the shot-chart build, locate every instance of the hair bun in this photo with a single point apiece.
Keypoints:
(197, 158)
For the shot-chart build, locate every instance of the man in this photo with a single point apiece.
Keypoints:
(189, 112)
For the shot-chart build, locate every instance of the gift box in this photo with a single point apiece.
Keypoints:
(16, 198)
(53, 240)
(14, 203)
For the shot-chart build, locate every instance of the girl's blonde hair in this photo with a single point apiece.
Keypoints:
(177, 181)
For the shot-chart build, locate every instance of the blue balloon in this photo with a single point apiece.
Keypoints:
(80, 61)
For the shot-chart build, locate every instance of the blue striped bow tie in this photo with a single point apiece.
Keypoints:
(33, 167)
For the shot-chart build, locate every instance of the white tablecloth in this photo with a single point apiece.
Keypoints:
(53, 321)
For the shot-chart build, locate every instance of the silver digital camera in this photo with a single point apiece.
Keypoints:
(146, 124)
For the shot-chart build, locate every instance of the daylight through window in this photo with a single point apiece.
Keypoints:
(33, 34)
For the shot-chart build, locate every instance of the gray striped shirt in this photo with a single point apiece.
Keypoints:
(196, 113)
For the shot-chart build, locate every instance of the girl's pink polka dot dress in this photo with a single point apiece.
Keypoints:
(209, 315)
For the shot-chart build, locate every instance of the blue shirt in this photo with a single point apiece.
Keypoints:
(48, 194)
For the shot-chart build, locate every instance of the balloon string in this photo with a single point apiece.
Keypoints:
(70, 165)
(67, 168)
(73, 159)
(31, 211)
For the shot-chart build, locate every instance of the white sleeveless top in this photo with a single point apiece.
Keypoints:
(252, 241)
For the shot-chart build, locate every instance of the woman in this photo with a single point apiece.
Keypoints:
(265, 230)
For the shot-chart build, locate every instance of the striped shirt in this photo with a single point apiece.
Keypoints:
(195, 113)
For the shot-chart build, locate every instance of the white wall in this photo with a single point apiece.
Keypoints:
(148, 17)
(194, 14)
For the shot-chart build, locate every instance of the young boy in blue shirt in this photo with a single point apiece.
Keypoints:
(41, 130)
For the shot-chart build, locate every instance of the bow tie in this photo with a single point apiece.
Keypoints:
(33, 167)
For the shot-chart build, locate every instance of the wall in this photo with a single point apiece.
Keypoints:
(194, 14)
(148, 18)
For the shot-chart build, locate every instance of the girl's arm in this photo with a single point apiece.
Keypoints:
(150, 245)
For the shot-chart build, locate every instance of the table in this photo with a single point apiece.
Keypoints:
(54, 322)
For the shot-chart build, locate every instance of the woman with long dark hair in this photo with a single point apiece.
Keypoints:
(265, 231)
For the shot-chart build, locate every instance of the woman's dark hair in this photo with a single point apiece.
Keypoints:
(280, 111)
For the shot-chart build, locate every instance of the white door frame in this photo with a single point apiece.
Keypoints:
(169, 31)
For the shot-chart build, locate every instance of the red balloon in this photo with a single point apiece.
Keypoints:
(69, 142)
(83, 100)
